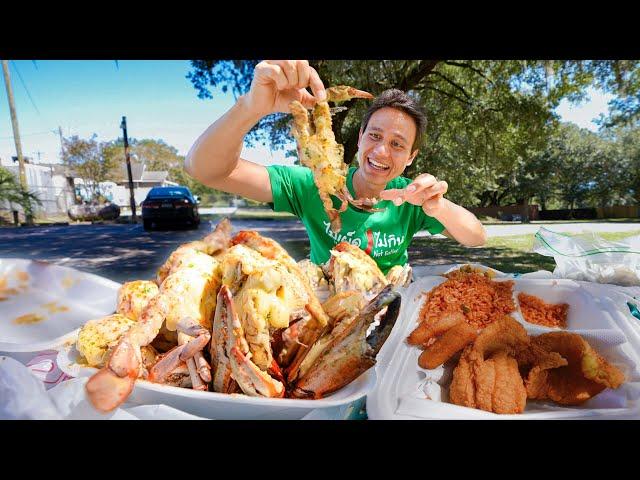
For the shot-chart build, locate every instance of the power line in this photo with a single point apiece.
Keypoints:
(26, 134)
(25, 86)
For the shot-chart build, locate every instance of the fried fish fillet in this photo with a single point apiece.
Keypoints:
(425, 331)
(487, 376)
(446, 346)
(585, 374)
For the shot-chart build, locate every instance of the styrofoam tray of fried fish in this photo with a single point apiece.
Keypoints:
(220, 405)
(406, 391)
(41, 304)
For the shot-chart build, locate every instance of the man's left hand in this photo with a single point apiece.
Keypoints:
(426, 190)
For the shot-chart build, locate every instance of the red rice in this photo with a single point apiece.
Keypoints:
(534, 310)
(480, 299)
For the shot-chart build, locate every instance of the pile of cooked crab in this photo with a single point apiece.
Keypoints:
(237, 314)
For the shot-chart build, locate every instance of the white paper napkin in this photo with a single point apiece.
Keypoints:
(23, 397)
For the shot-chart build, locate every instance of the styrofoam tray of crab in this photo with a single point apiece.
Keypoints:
(233, 327)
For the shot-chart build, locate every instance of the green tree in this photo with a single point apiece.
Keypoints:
(12, 192)
(627, 151)
(89, 161)
(573, 151)
(485, 117)
(610, 182)
(156, 155)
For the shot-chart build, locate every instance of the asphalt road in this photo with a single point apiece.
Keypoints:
(123, 252)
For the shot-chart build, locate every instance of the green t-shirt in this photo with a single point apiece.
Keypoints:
(385, 235)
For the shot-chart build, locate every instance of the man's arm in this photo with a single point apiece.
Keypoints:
(214, 159)
(460, 224)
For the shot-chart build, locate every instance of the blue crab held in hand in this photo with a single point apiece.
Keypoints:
(318, 150)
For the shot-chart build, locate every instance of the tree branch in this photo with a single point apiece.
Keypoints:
(448, 95)
(423, 69)
(466, 65)
(451, 82)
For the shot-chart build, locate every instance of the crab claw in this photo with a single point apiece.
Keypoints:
(111, 386)
(342, 93)
(349, 352)
(365, 204)
(106, 390)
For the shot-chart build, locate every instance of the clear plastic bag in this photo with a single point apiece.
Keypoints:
(590, 258)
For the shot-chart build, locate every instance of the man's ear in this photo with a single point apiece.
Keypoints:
(359, 136)
(412, 157)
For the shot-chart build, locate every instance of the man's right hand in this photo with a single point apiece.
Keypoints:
(276, 83)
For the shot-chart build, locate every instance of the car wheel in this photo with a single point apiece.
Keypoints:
(147, 224)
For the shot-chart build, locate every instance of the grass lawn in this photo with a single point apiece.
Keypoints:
(508, 254)
(258, 213)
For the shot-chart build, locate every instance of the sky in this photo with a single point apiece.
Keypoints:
(84, 97)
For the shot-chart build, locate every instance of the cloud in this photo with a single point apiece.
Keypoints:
(586, 112)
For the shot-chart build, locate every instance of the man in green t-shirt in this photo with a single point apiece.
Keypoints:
(390, 135)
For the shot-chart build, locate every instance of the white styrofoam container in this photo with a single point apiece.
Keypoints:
(406, 391)
(75, 296)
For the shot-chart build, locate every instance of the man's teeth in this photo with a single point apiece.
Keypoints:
(378, 165)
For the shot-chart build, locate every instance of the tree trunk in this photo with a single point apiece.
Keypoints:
(525, 210)
(416, 74)
(350, 146)
(571, 209)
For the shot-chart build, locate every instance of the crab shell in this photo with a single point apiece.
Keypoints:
(335, 359)
(349, 352)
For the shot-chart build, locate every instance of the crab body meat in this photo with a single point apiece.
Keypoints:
(318, 150)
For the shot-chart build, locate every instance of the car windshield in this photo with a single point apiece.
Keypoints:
(168, 192)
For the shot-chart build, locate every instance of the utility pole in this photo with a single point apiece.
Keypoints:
(69, 175)
(61, 142)
(16, 131)
(132, 198)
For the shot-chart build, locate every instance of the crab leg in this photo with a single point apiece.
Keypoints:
(114, 382)
(187, 327)
(291, 340)
(342, 93)
(187, 350)
(318, 150)
(203, 367)
(250, 378)
(222, 374)
(196, 381)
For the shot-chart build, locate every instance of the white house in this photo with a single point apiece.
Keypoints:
(143, 181)
(50, 183)
(57, 186)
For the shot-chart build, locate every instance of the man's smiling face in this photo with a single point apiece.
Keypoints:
(385, 146)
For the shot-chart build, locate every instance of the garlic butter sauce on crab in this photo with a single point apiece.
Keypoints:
(239, 315)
